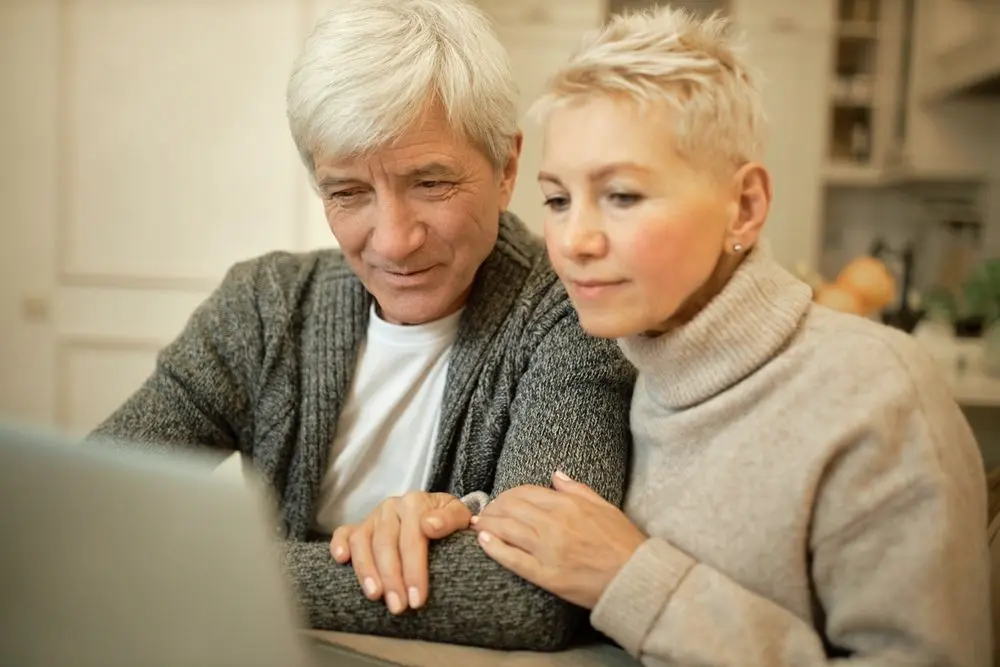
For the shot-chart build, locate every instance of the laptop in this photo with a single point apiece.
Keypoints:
(123, 558)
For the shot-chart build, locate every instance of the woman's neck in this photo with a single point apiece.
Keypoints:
(724, 269)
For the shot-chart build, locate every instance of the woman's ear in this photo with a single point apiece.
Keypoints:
(753, 196)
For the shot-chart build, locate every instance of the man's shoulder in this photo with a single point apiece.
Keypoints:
(281, 267)
(282, 276)
(524, 251)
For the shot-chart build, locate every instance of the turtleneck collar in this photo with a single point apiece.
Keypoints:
(737, 332)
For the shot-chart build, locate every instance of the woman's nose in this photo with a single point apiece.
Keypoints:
(583, 237)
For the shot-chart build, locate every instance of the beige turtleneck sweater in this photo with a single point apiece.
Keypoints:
(810, 490)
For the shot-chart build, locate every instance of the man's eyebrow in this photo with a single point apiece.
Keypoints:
(432, 170)
(335, 181)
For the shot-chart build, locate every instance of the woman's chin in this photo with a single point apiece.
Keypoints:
(608, 325)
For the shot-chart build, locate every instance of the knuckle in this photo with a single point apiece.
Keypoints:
(358, 539)
(412, 500)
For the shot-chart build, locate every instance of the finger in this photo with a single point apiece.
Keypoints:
(385, 548)
(517, 561)
(360, 543)
(340, 545)
(509, 530)
(519, 509)
(565, 484)
(536, 495)
(413, 553)
(442, 522)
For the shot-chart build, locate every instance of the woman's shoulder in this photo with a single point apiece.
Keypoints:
(864, 348)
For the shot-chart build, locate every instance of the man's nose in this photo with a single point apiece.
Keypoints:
(397, 233)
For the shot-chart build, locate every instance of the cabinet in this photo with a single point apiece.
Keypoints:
(883, 130)
(963, 53)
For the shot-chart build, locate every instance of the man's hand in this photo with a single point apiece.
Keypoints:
(389, 549)
(568, 541)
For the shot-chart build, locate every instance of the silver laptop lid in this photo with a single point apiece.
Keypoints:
(121, 558)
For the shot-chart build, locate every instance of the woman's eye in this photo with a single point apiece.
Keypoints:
(557, 203)
(624, 199)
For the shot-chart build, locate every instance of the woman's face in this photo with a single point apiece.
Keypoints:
(634, 231)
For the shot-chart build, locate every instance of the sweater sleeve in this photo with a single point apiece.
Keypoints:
(898, 562)
(570, 411)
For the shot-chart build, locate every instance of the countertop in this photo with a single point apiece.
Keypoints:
(962, 361)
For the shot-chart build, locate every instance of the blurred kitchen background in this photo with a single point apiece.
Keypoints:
(144, 150)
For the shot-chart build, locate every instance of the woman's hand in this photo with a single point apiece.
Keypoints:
(569, 541)
(389, 549)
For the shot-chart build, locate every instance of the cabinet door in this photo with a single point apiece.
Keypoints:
(765, 17)
(794, 70)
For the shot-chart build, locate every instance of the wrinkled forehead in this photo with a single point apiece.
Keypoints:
(428, 148)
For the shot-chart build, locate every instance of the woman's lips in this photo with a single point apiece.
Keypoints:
(595, 289)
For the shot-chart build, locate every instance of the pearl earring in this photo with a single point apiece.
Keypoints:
(737, 247)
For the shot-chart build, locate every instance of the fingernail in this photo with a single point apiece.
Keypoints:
(395, 606)
(414, 595)
(474, 520)
(434, 522)
(485, 537)
(563, 476)
(370, 588)
(338, 552)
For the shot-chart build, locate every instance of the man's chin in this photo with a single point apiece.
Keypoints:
(415, 307)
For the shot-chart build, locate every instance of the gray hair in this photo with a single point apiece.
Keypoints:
(370, 67)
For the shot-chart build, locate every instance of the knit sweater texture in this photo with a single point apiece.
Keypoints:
(809, 487)
(263, 368)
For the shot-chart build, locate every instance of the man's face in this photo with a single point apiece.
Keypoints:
(417, 218)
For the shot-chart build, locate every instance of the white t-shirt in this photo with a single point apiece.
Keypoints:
(384, 442)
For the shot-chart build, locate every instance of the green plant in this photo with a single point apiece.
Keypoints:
(978, 297)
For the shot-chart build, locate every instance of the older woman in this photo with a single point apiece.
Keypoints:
(803, 486)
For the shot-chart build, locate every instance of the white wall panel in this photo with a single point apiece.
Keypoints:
(95, 378)
(177, 155)
(29, 191)
(106, 313)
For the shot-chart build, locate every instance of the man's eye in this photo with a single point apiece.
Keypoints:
(557, 203)
(344, 196)
(434, 185)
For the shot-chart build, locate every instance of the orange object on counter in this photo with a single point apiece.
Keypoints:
(864, 287)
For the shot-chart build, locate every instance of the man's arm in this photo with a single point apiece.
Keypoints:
(571, 413)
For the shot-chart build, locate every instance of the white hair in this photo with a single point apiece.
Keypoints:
(371, 67)
(668, 56)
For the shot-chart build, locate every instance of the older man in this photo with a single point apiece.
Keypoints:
(434, 357)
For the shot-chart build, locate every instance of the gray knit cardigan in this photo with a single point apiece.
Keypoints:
(263, 367)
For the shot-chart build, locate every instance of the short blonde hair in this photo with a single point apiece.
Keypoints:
(668, 56)
(370, 67)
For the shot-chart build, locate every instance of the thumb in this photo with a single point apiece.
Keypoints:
(563, 483)
(444, 521)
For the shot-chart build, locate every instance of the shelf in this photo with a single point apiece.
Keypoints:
(849, 175)
(852, 175)
(857, 30)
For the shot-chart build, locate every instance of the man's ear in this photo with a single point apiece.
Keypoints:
(508, 178)
(752, 185)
